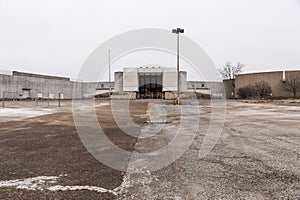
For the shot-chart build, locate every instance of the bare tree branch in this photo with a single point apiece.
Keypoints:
(292, 83)
(229, 71)
(262, 89)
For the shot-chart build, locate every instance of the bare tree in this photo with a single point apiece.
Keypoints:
(263, 89)
(229, 71)
(292, 83)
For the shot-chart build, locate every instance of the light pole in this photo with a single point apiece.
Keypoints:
(177, 31)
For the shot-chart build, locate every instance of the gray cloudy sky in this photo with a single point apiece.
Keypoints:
(56, 36)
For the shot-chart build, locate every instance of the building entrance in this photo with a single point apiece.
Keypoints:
(150, 86)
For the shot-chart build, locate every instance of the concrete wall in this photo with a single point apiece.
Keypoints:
(183, 87)
(169, 79)
(274, 79)
(23, 85)
(150, 69)
(194, 86)
(217, 89)
(169, 95)
(213, 88)
(118, 81)
(229, 90)
(130, 80)
(123, 95)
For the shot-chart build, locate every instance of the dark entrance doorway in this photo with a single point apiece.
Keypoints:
(150, 86)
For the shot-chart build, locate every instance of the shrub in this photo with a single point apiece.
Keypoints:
(246, 92)
(262, 89)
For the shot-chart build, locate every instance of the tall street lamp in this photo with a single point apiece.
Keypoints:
(177, 31)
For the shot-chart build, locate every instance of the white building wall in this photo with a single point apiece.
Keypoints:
(130, 80)
(183, 81)
(118, 82)
(150, 70)
(169, 79)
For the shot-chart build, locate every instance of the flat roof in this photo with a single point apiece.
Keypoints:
(16, 73)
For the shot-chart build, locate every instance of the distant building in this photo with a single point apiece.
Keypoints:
(158, 82)
(134, 83)
(20, 85)
(275, 79)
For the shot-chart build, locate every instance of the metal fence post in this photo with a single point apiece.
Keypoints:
(58, 99)
(3, 100)
(48, 99)
(36, 102)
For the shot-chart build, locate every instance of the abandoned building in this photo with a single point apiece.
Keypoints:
(277, 81)
(134, 83)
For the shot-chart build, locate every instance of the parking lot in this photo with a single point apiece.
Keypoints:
(257, 155)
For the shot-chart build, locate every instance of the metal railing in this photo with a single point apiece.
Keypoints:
(37, 98)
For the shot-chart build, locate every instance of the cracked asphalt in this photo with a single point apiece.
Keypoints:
(256, 157)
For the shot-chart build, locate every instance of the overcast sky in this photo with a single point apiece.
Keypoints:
(56, 36)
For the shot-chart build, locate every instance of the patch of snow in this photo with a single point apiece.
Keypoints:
(9, 114)
(48, 183)
(86, 187)
(101, 104)
(35, 183)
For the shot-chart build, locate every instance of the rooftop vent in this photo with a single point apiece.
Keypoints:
(283, 76)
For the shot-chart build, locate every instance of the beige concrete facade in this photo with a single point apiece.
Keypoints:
(274, 79)
(229, 90)
(170, 95)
